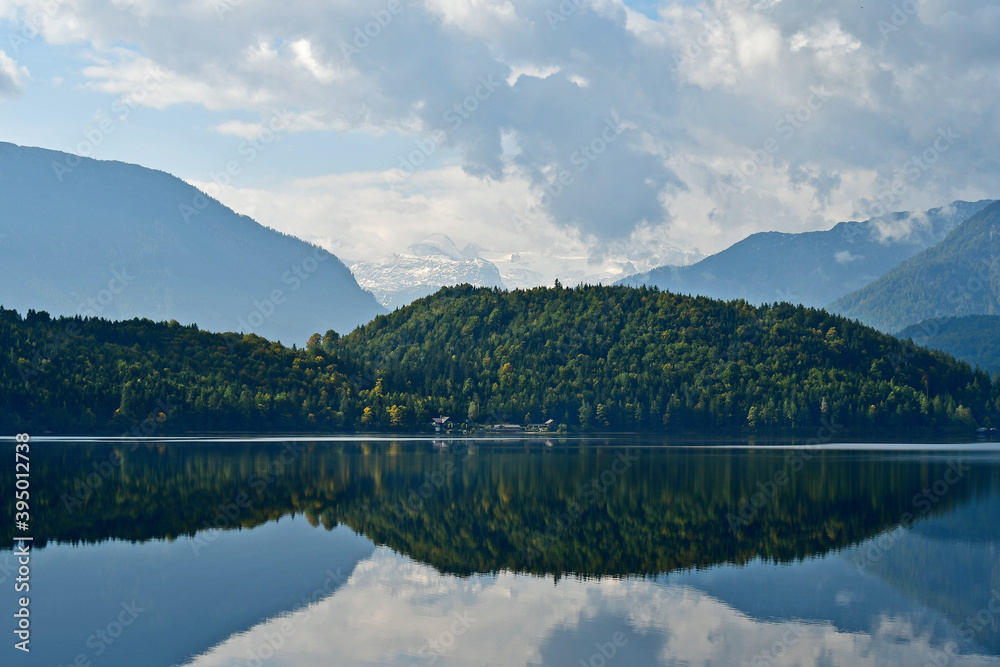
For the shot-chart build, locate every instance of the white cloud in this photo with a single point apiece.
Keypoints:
(368, 215)
(239, 128)
(478, 18)
(846, 257)
(306, 59)
(695, 88)
(517, 71)
(142, 81)
(281, 119)
(12, 77)
(448, 620)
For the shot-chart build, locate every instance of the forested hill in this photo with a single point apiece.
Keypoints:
(620, 358)
(590, 358)
(973, 338)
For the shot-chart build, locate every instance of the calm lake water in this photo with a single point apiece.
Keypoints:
(419, 553)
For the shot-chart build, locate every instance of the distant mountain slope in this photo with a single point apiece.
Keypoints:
(119, 241)
(959, 276)
(973, 338)
(812, 268)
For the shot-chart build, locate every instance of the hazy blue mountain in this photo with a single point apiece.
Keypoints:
(973, 338)
(811, 268)
(116, 240)
(958, 276)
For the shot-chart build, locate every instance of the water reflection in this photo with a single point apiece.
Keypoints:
(594, 510)
(524, 554)
(394, 611)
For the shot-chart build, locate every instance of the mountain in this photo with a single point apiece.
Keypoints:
(428, 266)
(437, 262)
(958, 276)
(115, 240)
(811, 268)
(440, 245)
(542, 265)
(591, 358)
(973, 338)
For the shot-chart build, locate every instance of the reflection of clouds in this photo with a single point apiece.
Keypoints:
(394, 611)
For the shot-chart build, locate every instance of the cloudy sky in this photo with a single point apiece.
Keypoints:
(368, 124)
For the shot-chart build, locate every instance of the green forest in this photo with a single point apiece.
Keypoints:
(592, 358)
(973, 338)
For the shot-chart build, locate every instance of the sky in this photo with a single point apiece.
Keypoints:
(600, 126)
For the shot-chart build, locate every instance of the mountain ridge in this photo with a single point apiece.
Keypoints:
(73, 232)
(811, 268)
(971, 338)
(956, 277)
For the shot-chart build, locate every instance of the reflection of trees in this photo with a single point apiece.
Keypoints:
(498, 508)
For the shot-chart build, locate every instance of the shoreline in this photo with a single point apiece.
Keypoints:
(562, 441)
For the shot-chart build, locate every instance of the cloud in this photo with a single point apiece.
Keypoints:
(520, 94)
(368, 216)
(305, 58)
(448, 620)
(846, 257)
(12, 77)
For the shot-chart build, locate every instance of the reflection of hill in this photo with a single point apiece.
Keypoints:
(967, 541)
(489, 510)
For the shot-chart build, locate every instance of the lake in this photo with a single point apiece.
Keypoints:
(414, 552)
